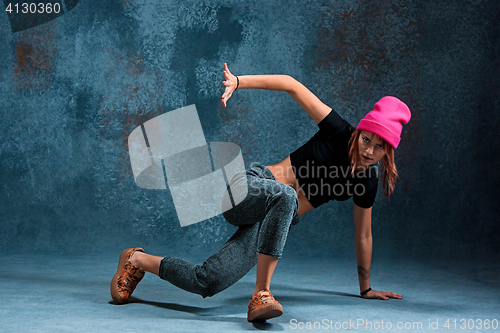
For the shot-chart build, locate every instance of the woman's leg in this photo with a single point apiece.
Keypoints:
(265, 267)
(263, 219)
(265, 270)
(272, 204)
(235, 259)
(275, 205)
(146, 262)
(221, 270)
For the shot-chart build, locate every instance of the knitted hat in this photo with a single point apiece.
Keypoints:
(386, 120)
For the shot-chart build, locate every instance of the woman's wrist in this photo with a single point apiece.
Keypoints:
(364, 292)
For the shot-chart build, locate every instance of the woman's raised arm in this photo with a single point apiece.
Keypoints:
(316, 109)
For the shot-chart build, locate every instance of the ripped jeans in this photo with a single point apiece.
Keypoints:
(263, 218)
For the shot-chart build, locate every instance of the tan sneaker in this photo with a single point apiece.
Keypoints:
(263, 306)
(126, 278)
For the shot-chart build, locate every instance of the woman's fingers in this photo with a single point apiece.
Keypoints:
(394, 295)
(383, 295)
(227, 73)
(390, 294)
(227, 94)
(230, 85)
(226, 69)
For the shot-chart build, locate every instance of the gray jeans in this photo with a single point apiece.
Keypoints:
(263, 219)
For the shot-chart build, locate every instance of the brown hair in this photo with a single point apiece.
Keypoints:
(388, 169)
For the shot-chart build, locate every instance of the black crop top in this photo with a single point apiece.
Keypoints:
(321, 166)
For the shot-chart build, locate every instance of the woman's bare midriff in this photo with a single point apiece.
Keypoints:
(283, 173)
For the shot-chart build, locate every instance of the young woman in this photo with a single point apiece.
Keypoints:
(337, 163)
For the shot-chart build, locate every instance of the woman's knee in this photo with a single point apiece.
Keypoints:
(286, 197)
(207, 282)
(212, 281)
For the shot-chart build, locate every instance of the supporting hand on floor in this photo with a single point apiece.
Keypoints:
(385, 295)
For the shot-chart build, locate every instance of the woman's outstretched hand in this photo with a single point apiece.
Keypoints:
(385, 295)
(230, 84)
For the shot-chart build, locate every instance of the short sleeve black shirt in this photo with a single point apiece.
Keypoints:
(322, 166)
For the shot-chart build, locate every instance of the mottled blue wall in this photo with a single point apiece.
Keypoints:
(71, 90)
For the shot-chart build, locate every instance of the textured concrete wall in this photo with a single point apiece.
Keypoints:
(72, 89)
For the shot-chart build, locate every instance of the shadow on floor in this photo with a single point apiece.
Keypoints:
(177, 307)
(212, 314)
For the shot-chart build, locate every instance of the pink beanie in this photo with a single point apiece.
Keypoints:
(386, 120)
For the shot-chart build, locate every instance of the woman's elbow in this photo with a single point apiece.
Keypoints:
(364, 238)
(289, 83)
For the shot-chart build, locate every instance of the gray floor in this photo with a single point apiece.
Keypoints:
(71, 294)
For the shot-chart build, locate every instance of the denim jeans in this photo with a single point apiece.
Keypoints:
(263, 218)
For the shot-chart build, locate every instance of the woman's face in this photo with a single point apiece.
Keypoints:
(371, 148)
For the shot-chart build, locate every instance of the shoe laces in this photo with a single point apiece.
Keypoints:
(128, 281)
(261, 298)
